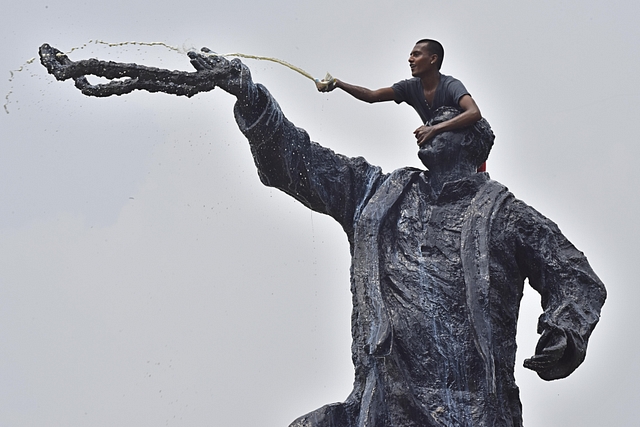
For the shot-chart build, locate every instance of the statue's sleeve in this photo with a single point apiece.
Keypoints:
(287, 159)
(571, 293)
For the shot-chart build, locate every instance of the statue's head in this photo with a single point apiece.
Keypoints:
(470, 145)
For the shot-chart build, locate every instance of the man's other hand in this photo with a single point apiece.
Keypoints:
(327, 84)
(424, 133)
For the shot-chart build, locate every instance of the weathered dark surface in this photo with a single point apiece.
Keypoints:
(439, 259)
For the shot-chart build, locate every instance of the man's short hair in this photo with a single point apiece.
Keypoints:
(478, 138)
(434, 47)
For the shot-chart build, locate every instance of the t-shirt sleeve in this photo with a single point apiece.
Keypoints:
(401, 91)
(454, 90)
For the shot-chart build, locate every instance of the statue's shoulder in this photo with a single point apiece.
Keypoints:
(399, 179)
(494, 189)
(491, 198)
(406, 173)
(505, 204)
(491, 183)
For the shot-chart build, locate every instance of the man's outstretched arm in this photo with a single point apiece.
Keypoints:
(470, 110)
(359, 92)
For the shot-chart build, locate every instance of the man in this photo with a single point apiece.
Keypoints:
(427, 91)
(439, 259)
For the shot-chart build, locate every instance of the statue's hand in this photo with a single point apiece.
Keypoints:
(56, 62)
(550, 354)
(231, 76)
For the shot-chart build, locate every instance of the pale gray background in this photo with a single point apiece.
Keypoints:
(147, 278)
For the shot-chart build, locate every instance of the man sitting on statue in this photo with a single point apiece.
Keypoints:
(426, 91)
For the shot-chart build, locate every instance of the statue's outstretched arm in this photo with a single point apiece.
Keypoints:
(285, 156)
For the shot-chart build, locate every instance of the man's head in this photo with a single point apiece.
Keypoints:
(470, 145)
(432, 47)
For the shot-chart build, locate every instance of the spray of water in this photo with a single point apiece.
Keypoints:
(320, 83)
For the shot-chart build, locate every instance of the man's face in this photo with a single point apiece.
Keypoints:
(421, 61)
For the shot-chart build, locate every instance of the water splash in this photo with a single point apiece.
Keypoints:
(328, 79)
(120, 44)
(12, 75)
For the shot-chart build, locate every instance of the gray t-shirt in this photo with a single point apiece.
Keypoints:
(448, 93)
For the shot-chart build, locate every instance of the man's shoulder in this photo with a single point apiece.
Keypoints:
(450, 90)
(407, 85)
(447, 79)
(405, 82)
(451, 83)
(408, 90)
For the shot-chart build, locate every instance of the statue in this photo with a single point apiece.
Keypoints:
(439, 259)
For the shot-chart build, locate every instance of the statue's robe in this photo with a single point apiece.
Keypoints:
(436, 281)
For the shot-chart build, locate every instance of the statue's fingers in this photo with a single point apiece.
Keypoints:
(198, 61)
(545, 359)
(538, 362)
(216, 61)
(197, 64)
(211, 61)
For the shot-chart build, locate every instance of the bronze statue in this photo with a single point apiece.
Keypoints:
(439, 259)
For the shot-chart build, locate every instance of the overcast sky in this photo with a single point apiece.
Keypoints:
(147, 278)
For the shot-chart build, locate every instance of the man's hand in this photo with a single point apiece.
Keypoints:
(231, 76)
(550, 351)
(424, 133)
(327, 84)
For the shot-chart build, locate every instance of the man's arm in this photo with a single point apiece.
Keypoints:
(359, 92)
(470, 114)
